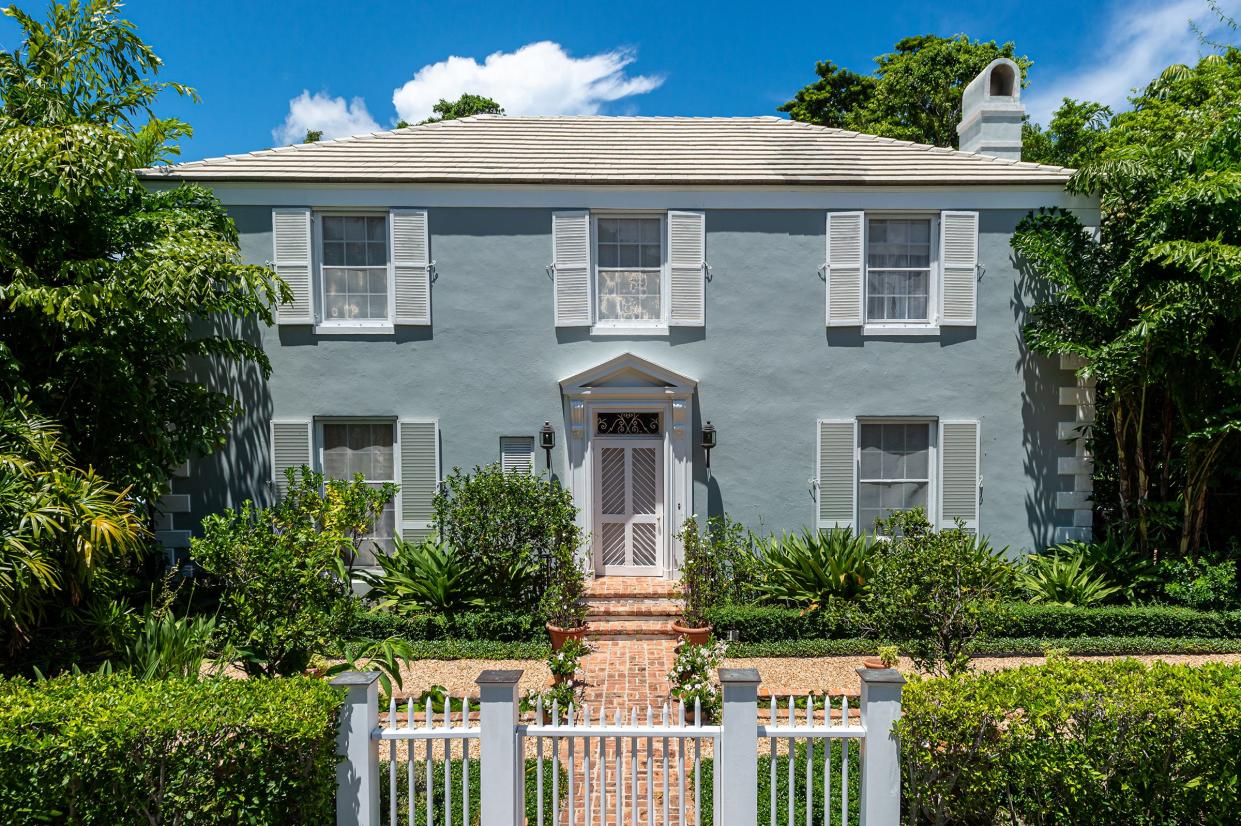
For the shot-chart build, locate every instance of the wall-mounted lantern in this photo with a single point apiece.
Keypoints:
(547, 441)
(708, 441)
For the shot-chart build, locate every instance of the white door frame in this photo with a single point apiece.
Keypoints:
(628, 382)
(657, 442)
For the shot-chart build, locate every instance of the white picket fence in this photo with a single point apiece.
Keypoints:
(589, 767)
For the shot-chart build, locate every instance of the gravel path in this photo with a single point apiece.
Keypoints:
(458, 676)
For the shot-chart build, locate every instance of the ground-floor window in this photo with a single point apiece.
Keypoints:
(350, 448)
(894, 468)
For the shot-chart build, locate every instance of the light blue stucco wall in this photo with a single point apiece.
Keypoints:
(766, 365)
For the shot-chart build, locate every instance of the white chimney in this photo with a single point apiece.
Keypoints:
(991, 112)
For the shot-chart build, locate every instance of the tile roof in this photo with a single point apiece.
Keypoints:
(599, 150)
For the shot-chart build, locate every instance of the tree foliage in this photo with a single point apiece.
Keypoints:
(914, 93)
(463, 107)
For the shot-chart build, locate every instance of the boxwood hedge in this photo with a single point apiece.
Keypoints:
(1074, 742)
(999, 647)
(499, 626)
(95, 749)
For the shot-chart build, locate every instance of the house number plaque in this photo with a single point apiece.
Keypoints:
(628, 424)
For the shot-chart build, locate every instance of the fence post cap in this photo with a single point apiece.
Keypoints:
(498, 676)
(881, 675)
(740, 675)
(350, 678)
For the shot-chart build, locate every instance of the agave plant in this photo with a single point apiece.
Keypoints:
(1117, 557)
(1066, 579)
(814, 568)
(423, 576)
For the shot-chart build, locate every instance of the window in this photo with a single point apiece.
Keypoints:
(355, 269)
(350, 448)
(629, 270)
(898, 270)
(894, 470)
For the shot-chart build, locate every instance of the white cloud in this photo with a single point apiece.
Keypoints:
(537, 79)
(335, 117)
(1139, 40)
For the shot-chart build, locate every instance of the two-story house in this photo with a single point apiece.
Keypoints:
(844, 310)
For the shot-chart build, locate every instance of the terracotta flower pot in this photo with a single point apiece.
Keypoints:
(562, 635)
(873, 662)
(694, 636)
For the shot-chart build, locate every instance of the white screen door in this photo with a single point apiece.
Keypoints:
(629, 495)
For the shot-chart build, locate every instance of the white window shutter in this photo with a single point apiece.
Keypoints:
(837, 473)
(290, 231)
(411, 266)
(517, 454)
(290, 448)
(419, 476)
(571, 267)
(959, 477)
(687, 265)
(845, 268)
(958, 249)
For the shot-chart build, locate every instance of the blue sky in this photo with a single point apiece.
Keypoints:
(266, 71)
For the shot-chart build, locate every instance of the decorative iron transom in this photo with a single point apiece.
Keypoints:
(628, 424)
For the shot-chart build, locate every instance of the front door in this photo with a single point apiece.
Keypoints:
(629, 497)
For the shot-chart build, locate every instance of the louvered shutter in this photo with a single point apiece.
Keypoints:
(837, 473)
(959, 473)
(517, 454)
(411, 266)
(290, 448)
(845, 268)
(420, 474)
(291, 259)
(687, 249)
(958, 247)
(571, 267)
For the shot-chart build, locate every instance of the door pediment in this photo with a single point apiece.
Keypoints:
(628, 375)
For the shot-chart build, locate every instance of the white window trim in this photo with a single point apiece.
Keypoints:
(903, 328)
(316, 453)
(327, 326)
(932, 488)
(630, 328)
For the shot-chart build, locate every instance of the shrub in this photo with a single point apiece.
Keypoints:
(936, 589)
(423, 576)
(1056, 621)
(717, 567)
(1064, 578)
(500, 626)
(816, 569)
(563, 605)
(167, 646)
(508, 528)
(1200, 584)
(98, 749)
(1072, 741)
(1119, 557)
(765, 623)
(999, 647)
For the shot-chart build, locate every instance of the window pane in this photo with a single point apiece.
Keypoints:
(608, 256)
(628, 231)
(607, 230)
(376, 254)
(355, 229)
(379, 305)
(333, 254)
(628, 255)
(379, 282)
(650, 255)
(355, 254)
(650, 231)
(375, 229)
(333, 228)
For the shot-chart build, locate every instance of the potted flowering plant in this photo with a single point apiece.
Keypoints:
(699, 575)
(562, 604)
(889, 656)
(564, 662)
(691, 678)
(558, 697)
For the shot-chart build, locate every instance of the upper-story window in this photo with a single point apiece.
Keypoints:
(629, 263)
(899, 274)
(355, 269)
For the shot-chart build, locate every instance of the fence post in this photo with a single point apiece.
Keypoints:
(357, 775)
(499, 763)
(881, 753)
(738, 763)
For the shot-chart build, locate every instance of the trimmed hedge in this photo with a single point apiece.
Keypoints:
(1074, 743)
(762, 624)
(498, 626)
(478, 650)
(999, 647)
(94, 749)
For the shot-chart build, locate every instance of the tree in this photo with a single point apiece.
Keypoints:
(1073, 138)
(1152, 302)
(463, 107)
(914, 93)
(113, 294)
(313, 136)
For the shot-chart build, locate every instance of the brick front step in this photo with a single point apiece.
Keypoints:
(631, 587)
(627, 629)
(635, 609)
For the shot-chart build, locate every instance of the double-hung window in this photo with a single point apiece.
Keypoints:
(900, 270)
(350, 448)
(629, 271)
(356, 287)
(894, 468)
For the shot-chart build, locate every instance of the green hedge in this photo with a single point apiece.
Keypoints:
(498, 626)
(1074, 742)
(756, 624)
(478, 650)
(999, 647)
(94, 749)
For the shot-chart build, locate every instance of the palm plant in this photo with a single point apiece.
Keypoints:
(815, 568)
(423, 576)
(1066, 579)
